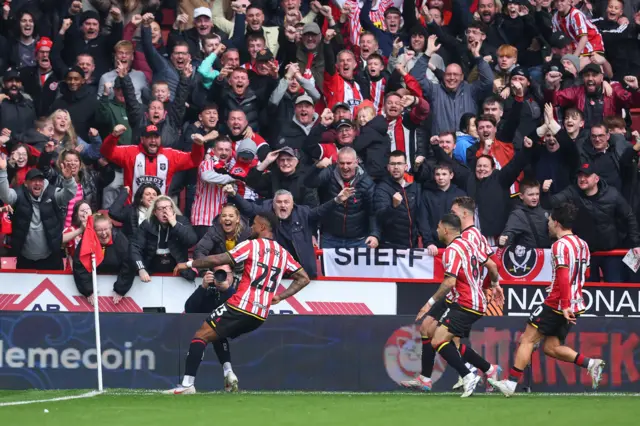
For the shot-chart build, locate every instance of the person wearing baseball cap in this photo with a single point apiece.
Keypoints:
(341, 111)
(38, 220)
(605, 221)
(295, 132)
(156, 165)
(203, 25)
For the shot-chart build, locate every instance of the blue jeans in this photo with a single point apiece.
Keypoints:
(613, 270)
(329, 241)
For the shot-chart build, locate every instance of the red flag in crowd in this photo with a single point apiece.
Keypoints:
(90, 245)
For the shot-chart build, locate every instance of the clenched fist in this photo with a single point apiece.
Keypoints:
(118, 130)
(397, 199)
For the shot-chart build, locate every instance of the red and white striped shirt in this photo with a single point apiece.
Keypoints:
(473, 235)
(572, 253)
(377, 17)
(464, 261)
(265, 264)
(575, 25)
(209, 197)
(376, 94)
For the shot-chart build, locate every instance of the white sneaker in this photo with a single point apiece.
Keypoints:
(420, 383)
(507, 387)
(181, 390)
(459, 384)
(595, 371)
(231, 382)
(494, 376)
(470, 382)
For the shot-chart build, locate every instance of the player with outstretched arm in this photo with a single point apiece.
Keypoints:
(551, 321)
(463, 263)
(265, 264)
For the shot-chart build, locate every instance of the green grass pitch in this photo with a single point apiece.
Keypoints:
(126, 408)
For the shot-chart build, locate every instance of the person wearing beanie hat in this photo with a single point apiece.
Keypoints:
(571, 64)
(41, 80)
(87, 39)
(246, 159)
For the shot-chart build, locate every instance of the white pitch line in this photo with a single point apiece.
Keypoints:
(399, 393)
(62, 398)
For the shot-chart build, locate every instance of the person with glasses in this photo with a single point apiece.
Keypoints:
(398, 206)
(453, 97)
(162, 241)
(610, 154)
(115, 247)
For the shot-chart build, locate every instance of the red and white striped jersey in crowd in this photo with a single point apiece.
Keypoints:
(575, 25)
(376, 15)
(572, 253)
(376, 94)
(265, 264)
(209, 197)
(473, 235)
(463, 261)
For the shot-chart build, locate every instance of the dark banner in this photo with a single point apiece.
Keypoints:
(521, 300)
(328, 353)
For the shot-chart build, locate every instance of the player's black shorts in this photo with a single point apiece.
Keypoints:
(550, 322)
(230, 323)
(459, 320)
(437, 310)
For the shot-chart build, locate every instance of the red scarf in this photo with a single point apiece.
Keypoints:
(398, 135)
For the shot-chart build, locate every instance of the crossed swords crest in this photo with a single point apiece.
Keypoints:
(520, 265)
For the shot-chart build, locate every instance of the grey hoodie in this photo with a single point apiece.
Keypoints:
(36, 246)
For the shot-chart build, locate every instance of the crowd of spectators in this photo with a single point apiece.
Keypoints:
(358, 122)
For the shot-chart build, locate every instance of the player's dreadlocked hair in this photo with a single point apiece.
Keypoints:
(565, 214)
(452, 221)
(271, 218)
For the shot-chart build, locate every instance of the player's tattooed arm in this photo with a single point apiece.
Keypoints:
(300, 281)
(443, 290)
(204, 263)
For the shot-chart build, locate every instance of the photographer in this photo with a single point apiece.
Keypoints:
(216, 288)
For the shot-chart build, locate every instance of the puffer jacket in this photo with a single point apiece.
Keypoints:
(355, 219)
(605, 220)
(227, 100)
(145, 242)
(373, 146)
(17, 114)
(400, 226)
(214, 241)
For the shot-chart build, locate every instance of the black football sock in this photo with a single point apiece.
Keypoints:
(472, 357)
(194, 358)
(428, 357)
(449, 352)
(221, 348)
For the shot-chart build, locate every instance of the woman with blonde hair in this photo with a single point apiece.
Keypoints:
(65, 137)
(227, 231)
(162, 241)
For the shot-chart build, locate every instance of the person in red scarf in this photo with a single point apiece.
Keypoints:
(404, 115)
(149, 161)
(115, 247)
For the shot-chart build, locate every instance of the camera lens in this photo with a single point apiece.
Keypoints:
(220, 275)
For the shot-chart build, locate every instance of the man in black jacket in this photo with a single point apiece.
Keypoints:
(17, 113)
(37, 219)
(266, 180)
(202, 26)
(162, 241)
(527, 223)
(398, 206)
(115, 246)
(610, 155)
(353, 223)
(605, 221)
(298, 223)
(84, 37)
(41, 80)
(437, 197)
